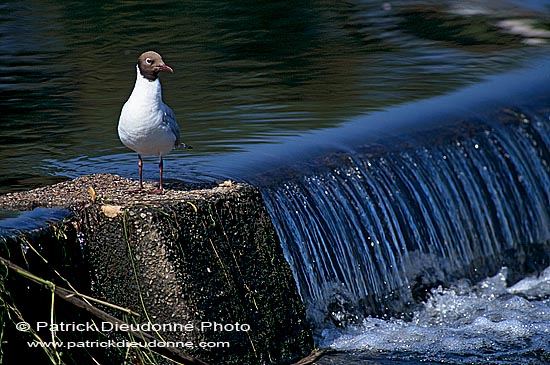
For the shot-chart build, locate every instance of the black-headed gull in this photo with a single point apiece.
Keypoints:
(146, 124)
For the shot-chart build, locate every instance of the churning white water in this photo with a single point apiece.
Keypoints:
(486, 323)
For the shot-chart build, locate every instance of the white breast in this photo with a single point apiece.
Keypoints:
(143, 125)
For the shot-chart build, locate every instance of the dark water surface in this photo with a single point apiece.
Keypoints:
(246, 73)
(253, 79)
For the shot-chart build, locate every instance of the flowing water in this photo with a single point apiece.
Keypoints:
(420, 216)
(451, 196)
(13, 222)
(402, 149)
(416, 216)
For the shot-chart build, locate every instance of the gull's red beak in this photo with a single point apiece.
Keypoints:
(165, 68)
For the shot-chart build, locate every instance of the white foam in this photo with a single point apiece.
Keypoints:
(533, 287)
(462, 320)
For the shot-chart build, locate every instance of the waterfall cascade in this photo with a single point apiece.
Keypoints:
(368, 236)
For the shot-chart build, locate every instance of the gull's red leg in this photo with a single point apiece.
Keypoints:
(140, 166)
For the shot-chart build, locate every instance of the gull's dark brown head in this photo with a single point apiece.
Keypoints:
(150, 63)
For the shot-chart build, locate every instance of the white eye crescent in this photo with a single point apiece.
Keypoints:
(149, 61)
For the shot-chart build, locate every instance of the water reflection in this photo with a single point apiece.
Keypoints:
(245, 72)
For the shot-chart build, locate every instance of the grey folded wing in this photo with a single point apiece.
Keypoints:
(172, 123)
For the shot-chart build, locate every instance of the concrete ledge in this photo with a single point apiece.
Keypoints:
(206, 258)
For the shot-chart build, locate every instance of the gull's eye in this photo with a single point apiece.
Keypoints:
(149, 61)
